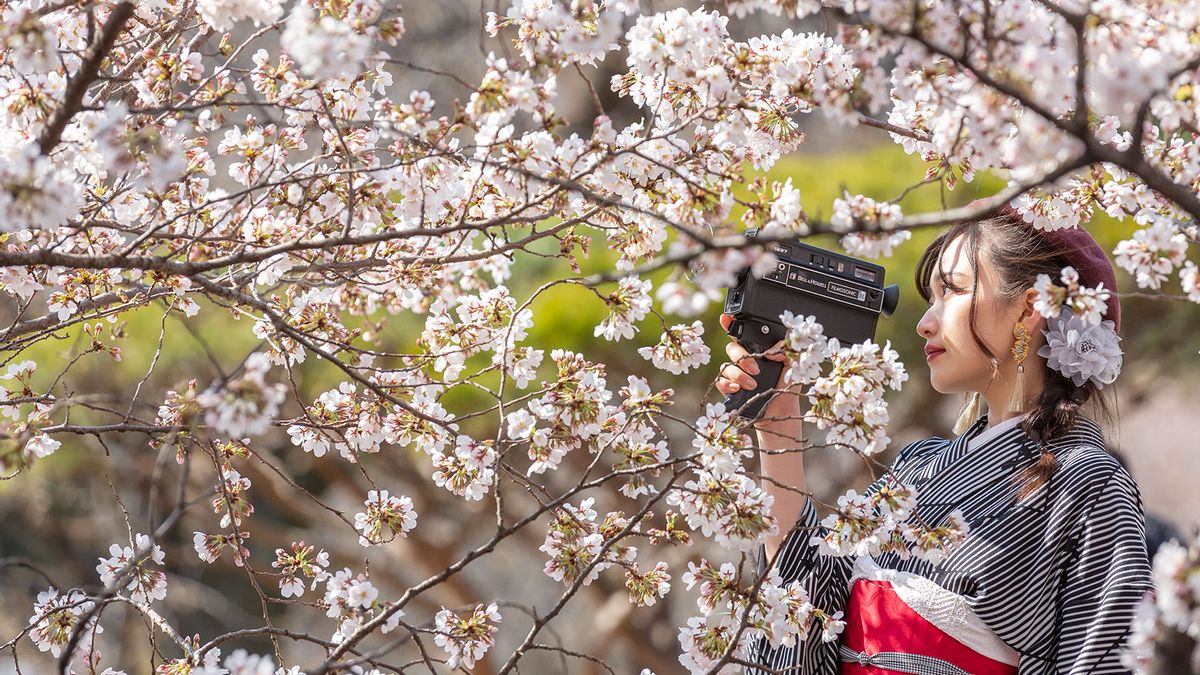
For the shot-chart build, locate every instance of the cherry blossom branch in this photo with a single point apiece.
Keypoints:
(156, 620)
(634, 521)
(868, 121)
(484, 549)
(988, 207)
(475, 205)
(1181, 195)
(89, 68)
(25, 563)
(140, 295)
(112, 589)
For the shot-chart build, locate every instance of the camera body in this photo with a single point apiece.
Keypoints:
(844, 294)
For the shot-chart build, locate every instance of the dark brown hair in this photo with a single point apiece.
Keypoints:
(1018, 255)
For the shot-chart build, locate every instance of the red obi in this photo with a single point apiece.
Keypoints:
(900, 624)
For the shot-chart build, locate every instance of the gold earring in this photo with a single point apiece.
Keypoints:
(969, 412)
(1020, 351)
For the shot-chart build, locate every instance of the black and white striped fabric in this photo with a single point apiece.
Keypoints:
(1056, 575)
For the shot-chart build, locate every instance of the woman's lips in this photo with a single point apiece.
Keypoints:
(933, 354)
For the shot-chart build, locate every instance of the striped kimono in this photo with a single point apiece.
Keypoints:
(1055, 576)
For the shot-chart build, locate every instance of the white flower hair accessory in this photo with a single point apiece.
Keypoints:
(1083, 352)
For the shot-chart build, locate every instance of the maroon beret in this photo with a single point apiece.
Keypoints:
(1082, 251)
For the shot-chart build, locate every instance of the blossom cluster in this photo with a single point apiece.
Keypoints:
(721, 444)
(732, 606)
(579, 32)
(679, 350)
(864, 213)
(683, 63)
(56, 617)
(574, 409)
(1089, 304)
(466, 639)
(1172, 612)
(1153, 252)
(340, 410)
(884, 520)
(630, 432)
(467, 471)
(805, 345)
(132, 563)
(641, 457)
(645, 588)
(352, 600)
(24, 421)
(230, 500)
(209, 547)
(487, 322)
(729, 508)
(577, 545)
(629, 304)
(303, 560)
(387, 516)
(847, 402)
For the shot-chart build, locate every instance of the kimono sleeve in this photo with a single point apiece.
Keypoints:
(825, 578)
(1105, 579)
(797, 557)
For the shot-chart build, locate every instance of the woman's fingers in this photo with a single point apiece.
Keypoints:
(739, 372)
(726, 387)
(726, 320)
(738, 376)
(737, 354)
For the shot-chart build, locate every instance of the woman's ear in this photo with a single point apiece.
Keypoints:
(1033, 319)
(1029, 299)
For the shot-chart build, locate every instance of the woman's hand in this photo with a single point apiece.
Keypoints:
(781, 416)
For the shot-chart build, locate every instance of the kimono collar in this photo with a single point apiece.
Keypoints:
(988, 433)
(1084, 432)
(1003, 448)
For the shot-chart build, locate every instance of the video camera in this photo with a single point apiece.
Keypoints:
(844, 294)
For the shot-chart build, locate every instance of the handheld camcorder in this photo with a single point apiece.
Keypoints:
(844, 294)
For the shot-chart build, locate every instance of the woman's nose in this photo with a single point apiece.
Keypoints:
(927, 326)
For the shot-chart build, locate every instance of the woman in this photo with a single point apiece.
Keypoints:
(1054, 564)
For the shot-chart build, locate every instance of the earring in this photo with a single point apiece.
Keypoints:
(1020, 351)
(969, 412)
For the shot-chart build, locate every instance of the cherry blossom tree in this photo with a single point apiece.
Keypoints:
(264, 160)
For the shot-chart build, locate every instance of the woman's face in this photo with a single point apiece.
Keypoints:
(956, 363)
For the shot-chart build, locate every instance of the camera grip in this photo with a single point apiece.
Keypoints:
(767, 378)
